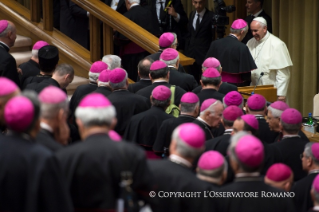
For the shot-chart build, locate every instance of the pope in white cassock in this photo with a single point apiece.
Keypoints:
(271, 57)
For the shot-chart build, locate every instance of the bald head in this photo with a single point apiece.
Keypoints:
(258, 28)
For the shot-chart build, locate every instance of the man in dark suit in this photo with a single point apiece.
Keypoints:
(54, 132)
(200, 35)
(254, 7)
(32, 68)
(171, 17)
(130, 52)
(246, 154)
(291, 146)
(210, 82)
(74, 22)
(119, 5)
(310, 163)
(8, 65)
(225, 87)
(127, 104)
(171, 58)
(143, 72)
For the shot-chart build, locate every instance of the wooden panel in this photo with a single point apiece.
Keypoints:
(125, 26)
(241, 11)
(35, 10)
(268, 91)
(107, 39)
(95, 41)
(69, 51)
(48, 15)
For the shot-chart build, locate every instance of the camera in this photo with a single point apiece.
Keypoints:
(220, 19)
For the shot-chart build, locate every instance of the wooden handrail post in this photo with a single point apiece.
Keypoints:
(48, 15)
(95, 40)
(35, 10)
(107, 39)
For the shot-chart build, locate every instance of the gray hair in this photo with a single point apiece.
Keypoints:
(93, 76)
(291, 128)
(171, 62)
(96, 116)
(215, 173)
(240, 106)
(211, 80)
(275, 112)
(175, 38)
(238, 31)
(231, 151)
(5, 32)
(134, 1)
(64, 69)
(112, 61)
(119, 85)
(211, 108)
(309, 153)
(34, 53)
(101, 84)
(49, 111)
(188, 107)
(182, 148)
(217, 68)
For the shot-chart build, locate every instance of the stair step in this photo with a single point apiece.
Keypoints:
(77, 81)
(21, 57)
(21, 44)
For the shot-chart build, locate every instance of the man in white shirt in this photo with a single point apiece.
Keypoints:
(271, 57)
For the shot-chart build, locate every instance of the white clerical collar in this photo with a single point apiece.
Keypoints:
(264, 38)
(253, 174)
(5, 44)
(45, 126)
(290, 136)
(201, 14)
(179, 160)
(134, 4)
(229, 130)
(257, 14)
(160, 81)
(316, 208)
(145, 79)
(202, 120)
(314, 171)
(169, 66)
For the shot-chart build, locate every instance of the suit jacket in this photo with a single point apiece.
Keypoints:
(198, 41)
(8, 65)
(74, 22)
(127, 104)
(219, 144)
(29, 69)
(224, 88)
(38, 87)
(134, 87)
(249, 19)
(121, 8)
(183, 80)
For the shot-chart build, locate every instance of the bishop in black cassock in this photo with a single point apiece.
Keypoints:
(143, 72)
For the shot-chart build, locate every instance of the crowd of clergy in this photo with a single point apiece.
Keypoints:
(116, 146)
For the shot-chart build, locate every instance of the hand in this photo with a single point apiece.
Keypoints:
(281, 98)
(171, 11)
(19, 71)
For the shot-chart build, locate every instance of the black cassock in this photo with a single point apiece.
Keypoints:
(35, 79)
(207, 129)
(30, 177)
(163, 139)
(143, 128)
(46, 139)
(38, 87)
(252, 204)
(173, 177)
(300, 133)
(103, 90)
(93, 168)
(134, 87)
(264, 133)
(208, 94)
(290, 149)
(8, 65)
(156, 56)
(79, 93)
(233, 55)
(302, 189)
(224, 88)
(29, 69)
(127, 104)
(219, 143)
(183, 80)
(147, 91)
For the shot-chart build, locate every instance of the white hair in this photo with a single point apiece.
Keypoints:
(34, 53)
(119, 85)
(211, 108)
(93, 76)
(275, 112)
(171, 62)
(240, 106)
(134, 1)
(103, 84)
(49, 111)
(96, 116)
(112, 61)
(184, 149)
(237, 31)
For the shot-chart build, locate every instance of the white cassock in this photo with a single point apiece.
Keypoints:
(271, 57)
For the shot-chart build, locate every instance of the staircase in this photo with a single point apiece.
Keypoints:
(21, 51)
